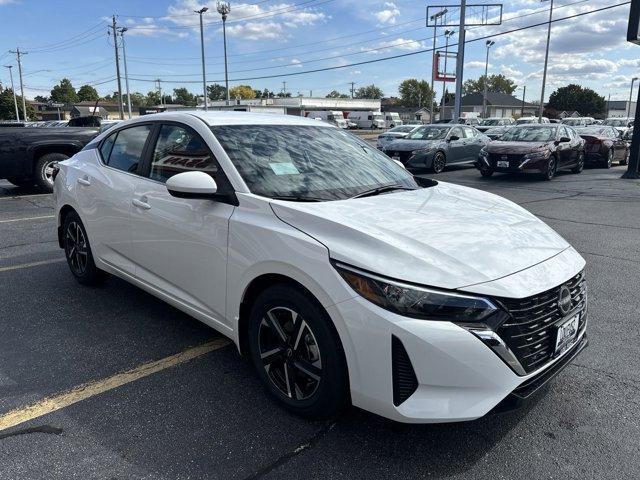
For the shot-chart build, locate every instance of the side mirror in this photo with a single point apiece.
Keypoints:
(192, 185)
(564, 140)
(453, 138)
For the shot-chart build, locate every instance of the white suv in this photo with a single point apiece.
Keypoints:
(341, 276)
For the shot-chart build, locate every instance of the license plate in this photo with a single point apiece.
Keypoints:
(503, 164)
(567, 333)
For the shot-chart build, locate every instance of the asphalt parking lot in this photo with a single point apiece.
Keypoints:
(208, 417)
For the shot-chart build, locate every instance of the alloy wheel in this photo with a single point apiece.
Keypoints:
(610, 159)
(76, 248)
(290, 353)
(551, 168)
(48, 170)
(439, 163)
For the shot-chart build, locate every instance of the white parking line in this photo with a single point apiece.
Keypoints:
(91, 389)
(32, 264)
(26, 218)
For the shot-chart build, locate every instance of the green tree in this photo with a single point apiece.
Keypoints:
(336, 94)
(152, 98)
(574, 97)
(41, 99)
(8, 109)
(370, 91)
(415, 93)
(137, 99)
(243, 92)
(266, 93)
(496, 84)
(87, 93)
(182, 96)
(64, 92)
(216, 92)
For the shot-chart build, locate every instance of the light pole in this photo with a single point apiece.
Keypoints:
(434, 18)
(633, 80)
(524, 94)
(223, 9)
(447, 35)
(546, 62)
(204, 79)
(489, 44)
(126, 73)
(13, 89)
(460, 60)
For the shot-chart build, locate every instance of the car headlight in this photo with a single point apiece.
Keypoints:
(415, 301)
(420, 151)
(537, 155)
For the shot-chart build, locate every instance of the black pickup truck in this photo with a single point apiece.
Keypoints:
(28, 155)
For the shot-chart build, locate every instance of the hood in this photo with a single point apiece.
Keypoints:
(445, 236)
(405, 145)
(514, 147)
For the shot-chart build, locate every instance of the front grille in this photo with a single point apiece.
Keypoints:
(403, 156)
(403, 375)
(530, 333)
(514, 159)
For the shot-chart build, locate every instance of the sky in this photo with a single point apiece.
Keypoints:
(271, 38)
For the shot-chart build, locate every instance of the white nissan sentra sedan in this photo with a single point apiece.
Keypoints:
(343, 278)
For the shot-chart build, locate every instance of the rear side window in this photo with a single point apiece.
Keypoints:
(107, 145)
(127, 149)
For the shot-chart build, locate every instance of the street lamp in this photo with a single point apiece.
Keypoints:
(223, 9)
(633, 80)
(434, 18)
(524, 95)
(126, 72)
(204, 80)
(489, 44)
(546, 62)
(13, 89)
(447, 35)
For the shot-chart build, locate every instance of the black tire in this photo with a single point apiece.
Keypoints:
(22, 182)
(42, 171)
(580, 167)
(609, 161)
(486, 173)
(552, 168)
(305, 370)
(77, 250)
(439, 162)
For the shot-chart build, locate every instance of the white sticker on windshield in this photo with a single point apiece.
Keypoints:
(284, 168)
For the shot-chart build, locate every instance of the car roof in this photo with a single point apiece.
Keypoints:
(213, 118)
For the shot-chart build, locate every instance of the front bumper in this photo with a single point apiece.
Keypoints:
(518, 165)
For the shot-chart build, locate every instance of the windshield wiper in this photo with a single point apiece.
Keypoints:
(379, 190)
(297, 198)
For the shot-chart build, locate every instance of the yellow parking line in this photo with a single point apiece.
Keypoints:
(91, 389)
(32, 264)
(25, 219)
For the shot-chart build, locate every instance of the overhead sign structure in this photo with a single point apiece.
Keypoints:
(633, 31)
(475, 15)
(444, 66)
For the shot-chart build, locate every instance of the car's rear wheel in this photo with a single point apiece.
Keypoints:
(78, 251)
(552, 167)
(580, 167)
(486, 173)
(609, 161)
(43, 171)
(297, 354)
(439, 162)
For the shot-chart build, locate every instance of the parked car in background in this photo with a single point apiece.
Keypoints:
(334, 117)
(394, 134)
(368, 120)
(28, 155)
(435, 146)
(628, 137)
(492, 122)
(340, 277)
(495, 133)
(578, 122)
(473, 120)
(392, 119)
(107, 124)
(57, 124)
(525, 120)
(620, 124)
(537, 149)
(604, 145)
(555, 120)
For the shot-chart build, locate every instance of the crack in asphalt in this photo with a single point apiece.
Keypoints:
(281, 460)
(48, 429)
(27, 244)
(549, 199)
(610, 256)
(587, 223)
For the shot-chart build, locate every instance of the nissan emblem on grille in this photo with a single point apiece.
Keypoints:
(564, 299)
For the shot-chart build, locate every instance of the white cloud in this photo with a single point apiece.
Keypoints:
(476, 64)
(256, 31)
(388, 14)
(399, 43)
(296, 63)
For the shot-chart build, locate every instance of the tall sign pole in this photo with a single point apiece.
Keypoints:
(633, 35)
(460, 61)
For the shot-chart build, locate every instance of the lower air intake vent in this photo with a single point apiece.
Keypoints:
(404, 377)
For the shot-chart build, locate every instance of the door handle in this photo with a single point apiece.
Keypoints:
(141, 203)
(84, 181)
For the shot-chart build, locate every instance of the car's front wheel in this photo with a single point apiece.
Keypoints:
(78, 251)
(297, 353)
(439, 162)
(551, 169)
(486, 173)
(580, 166)
(609, 161)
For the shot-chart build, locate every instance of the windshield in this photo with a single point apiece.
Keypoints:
(495, 131)
(491, 121)
(527, 120)
(307, 162)
(593, 131)
(573, 122)
(402, 129)
(378, 117)
(429, 133)
(529, 134)
(616, 123)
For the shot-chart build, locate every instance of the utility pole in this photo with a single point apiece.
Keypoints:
(126, 73)
(13, 89)
(24, 103)
(546, 63)
(524, 94)
(224, 8)
(460, 61)
(633, 80)
(284, 89)
(434, 18)
(352, 88)
(115, 46)
(204, 77)
(489, 44)
(447, 36)
(160, 92)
